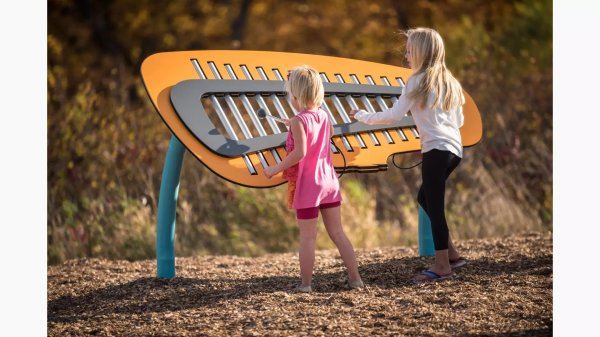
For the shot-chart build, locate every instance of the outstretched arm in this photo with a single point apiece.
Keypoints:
(393, 114)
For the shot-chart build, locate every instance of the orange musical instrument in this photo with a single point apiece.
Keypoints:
(210, 99)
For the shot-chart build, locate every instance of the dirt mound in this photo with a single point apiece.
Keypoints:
(504, 290)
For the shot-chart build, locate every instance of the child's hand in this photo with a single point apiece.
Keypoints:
(353, 112)
(270, 171)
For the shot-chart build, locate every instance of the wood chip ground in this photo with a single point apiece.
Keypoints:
(504, 290)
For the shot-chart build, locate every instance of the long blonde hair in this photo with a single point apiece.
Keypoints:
(428, 57)
(306, 85)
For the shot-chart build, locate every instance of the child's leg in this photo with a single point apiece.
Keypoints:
(437, 166)
(453, 253)
(306, 251)
(333, 224)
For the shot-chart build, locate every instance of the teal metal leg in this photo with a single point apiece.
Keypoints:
(426, 247)
(167, 205)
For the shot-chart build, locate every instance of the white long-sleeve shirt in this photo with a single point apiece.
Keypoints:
(438, 129)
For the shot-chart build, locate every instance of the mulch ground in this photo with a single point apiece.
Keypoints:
(504, 290)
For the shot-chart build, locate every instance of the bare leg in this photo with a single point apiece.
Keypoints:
(453, 254)
(333, 225)
(306, 252)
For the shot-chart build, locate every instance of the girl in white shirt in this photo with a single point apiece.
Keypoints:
(435, 100)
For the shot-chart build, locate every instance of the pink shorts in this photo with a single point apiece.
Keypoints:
(313, 212)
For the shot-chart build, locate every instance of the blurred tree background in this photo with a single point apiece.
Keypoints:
(106, 143)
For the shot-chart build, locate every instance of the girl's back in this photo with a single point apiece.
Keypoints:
(317, 181)
(439, 129)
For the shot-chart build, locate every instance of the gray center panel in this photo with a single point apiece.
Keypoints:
(186, 99)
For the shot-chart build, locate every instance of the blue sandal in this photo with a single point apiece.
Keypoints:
(433, 276)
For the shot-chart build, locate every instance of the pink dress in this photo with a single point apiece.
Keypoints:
(313, 181)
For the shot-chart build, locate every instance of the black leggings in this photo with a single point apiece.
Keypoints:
(437, 166)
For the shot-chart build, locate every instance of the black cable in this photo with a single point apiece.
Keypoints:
(343, 157)
(404, 168)
(393, 161)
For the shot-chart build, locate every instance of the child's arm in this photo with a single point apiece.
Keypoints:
(296, 154)
(393, 114)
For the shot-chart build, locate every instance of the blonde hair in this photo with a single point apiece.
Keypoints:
(428, 58)
(305, 84)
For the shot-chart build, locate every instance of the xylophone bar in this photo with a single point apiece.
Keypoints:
(342, 112)
(354, 106)
(369, 108)
(254, 117)
(223, 118)
(333, 120)
(383, 106)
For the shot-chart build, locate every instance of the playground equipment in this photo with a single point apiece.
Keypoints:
(211, 101)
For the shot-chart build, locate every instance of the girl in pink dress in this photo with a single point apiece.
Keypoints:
(313, 185)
